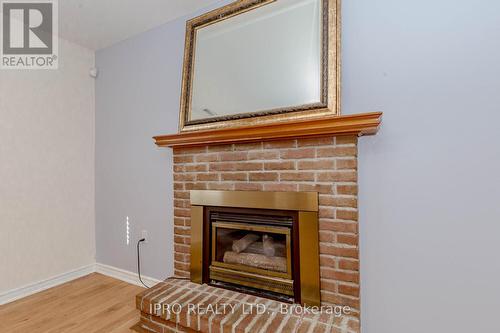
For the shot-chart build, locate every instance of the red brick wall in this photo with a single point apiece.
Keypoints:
(325, 165)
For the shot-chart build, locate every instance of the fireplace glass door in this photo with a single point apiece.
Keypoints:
(253, 252)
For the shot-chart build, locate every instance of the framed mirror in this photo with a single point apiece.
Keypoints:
(260, 61)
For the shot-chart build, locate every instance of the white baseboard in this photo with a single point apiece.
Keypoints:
(127, 276)
(36, 287)
(114, 272)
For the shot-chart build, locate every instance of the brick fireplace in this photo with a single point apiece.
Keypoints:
(325, 166)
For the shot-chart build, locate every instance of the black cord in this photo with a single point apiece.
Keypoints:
(139, 265)
(139, 261)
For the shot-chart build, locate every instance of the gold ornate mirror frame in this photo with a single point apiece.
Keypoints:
(330, 72)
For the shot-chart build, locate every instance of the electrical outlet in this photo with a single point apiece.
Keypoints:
(145, 235)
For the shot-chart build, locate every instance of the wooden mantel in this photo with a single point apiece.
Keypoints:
(358, 124)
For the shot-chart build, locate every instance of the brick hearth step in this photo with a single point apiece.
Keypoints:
(177, 305)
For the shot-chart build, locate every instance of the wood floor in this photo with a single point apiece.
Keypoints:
(94, 303)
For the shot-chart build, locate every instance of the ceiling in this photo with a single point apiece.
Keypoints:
(96, 24)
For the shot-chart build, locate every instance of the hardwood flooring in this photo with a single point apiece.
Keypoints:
(93, 303)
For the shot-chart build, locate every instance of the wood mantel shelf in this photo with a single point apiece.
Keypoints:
(358, 124)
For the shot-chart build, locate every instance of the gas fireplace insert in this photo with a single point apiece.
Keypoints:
(267, 252)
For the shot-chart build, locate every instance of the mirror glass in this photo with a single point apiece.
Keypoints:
(261, 60)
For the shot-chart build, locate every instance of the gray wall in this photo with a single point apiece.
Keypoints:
(429, 208)
(430, 188)
(137, 97)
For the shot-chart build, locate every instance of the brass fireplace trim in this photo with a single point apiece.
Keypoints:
(305, 203)
(309, 258)
(196, 267)
(298, 201)
(248, 279)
